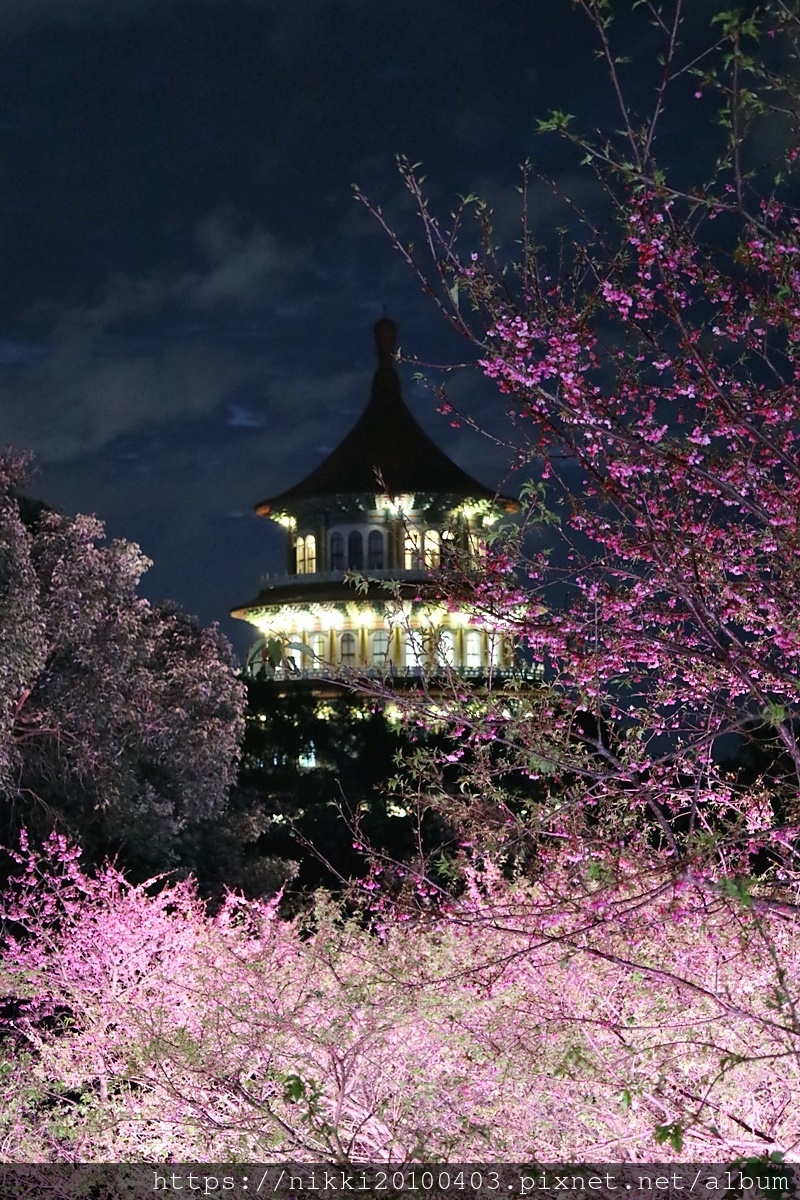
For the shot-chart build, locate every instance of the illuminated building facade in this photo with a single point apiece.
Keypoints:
(387, 504)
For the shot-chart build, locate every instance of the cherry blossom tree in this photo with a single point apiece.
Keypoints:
(647, 365)
(613, 972)
(511, 1027)
(649, 375)
(120, 721)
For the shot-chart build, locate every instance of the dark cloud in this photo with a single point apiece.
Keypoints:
(244, 418)
(188, 287)
(88, 386)
(187, 496)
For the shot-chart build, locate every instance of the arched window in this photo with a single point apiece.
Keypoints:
(380, 648)
(375, 550)
(473, 639)
(348, 649)
(319, 648)
(413, 651)
(448, 545)
(355, 550)
(433, 548)
(447, 647)
(411, 555)
(306, 548)
(337, 552)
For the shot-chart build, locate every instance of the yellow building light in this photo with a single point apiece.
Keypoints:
(334, 619)
(334, 528)
(358, 614)
(263, 624)
(396, 506)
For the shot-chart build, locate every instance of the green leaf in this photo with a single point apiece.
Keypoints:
(293, 1089)
(774, 714)
(555, 123)
(737, 889)
(672, 1133)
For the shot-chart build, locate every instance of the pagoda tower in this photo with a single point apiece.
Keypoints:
(387, 504)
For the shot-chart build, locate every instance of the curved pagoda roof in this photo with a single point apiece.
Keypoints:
(386, 442)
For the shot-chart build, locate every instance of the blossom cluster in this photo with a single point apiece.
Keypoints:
(559, 1020)
(664, 405)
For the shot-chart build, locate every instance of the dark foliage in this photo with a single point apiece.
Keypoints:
(335, 814)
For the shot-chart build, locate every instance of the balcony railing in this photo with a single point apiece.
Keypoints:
(528, 672)
(284, 578)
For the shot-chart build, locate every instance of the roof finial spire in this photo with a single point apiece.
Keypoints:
(385, 337)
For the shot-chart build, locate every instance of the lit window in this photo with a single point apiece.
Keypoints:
(380, 648)
(355, 551)
(308, 759)
(337, 552)
(375, 550)
(348, 647)
(317, 643)
(433, 547)
(411, 549)
(447, 647)
(473, 639)
(413, 655)
(306, 550)
(448, 545)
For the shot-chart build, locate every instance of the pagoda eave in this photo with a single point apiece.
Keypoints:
(291, 505)
(405, 585)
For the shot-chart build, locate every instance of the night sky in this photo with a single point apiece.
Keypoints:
(188, 286)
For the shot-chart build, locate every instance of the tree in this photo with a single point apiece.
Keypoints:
(632, 990)
(120, 721)
(648, 367)
(323, 774)
(138, 1029)
(653, 388)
